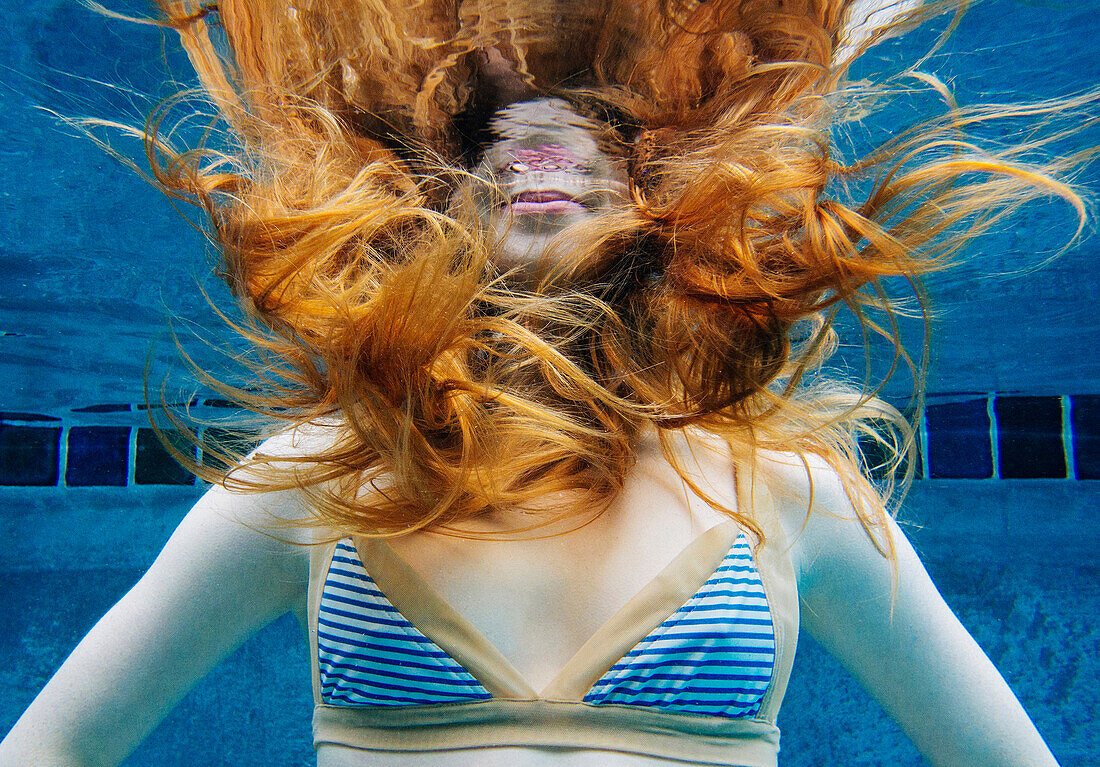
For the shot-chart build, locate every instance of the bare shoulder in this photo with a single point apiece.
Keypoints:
(285, 513)
(803, 485)
(815, 510)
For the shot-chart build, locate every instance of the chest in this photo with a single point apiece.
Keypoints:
(538, 600)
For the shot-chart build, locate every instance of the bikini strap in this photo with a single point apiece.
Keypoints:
(773, 561)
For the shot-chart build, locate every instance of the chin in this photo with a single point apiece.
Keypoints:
(545, 256)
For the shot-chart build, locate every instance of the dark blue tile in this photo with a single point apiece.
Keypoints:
(219, 444)
(155, 465)
(98, 455)
(959, 445)
(1085, 424)
(28, 455)
(1029, 437)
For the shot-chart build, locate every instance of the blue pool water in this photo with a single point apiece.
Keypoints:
(92, 262)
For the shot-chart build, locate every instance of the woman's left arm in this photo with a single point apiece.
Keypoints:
(898, 637)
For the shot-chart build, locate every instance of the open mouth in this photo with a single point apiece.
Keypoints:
(545, 202)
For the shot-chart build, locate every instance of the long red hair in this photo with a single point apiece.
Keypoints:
(447, 391)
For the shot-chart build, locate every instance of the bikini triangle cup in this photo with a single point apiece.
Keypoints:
(712, 655)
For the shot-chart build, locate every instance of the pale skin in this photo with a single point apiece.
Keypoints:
(221, 577)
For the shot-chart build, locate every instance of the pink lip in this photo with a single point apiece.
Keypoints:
(545, 202)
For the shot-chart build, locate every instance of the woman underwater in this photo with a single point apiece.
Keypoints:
(544, 291)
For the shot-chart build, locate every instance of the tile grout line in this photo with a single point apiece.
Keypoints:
(200, 449)
(922, 436)
(994, 435)
(1067, 437)
(63, 455)
(131, 457)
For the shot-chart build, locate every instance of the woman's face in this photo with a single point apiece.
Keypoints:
(547, 178)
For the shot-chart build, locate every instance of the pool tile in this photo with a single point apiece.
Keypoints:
(155, 465)
(98, 456)
(874, 454)
(236, 443)
(959, 445)
(29, 455)
(1029, 437)
(1085, 421)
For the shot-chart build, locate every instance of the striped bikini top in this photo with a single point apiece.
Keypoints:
(692, 668)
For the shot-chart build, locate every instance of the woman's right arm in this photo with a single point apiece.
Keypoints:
(218, 580)
(889, 626)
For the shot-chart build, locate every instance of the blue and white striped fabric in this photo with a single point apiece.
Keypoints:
(713, 656)
(368, 654)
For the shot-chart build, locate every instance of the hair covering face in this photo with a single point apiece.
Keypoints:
(660, 181)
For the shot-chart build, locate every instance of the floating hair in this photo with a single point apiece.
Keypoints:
(447, 391)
